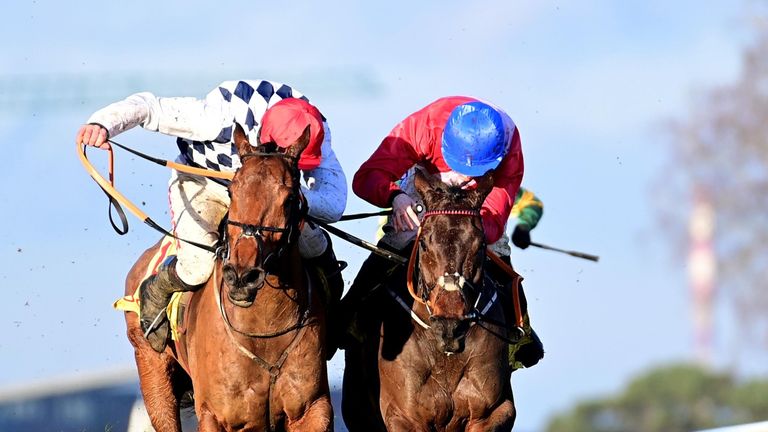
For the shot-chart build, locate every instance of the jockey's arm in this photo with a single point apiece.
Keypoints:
(498, 204)
(184, 117)
(325, 187)
(376, 179)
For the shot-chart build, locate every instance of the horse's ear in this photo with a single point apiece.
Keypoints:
(427, 186)
(241, 141)
(295, 149)
(484, 187)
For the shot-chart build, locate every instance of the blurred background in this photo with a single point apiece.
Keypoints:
(644, 134)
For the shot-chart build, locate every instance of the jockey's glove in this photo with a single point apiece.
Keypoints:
(521, 236)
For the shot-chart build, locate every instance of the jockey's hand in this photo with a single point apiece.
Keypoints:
(404, 217)
(521, 237)
(93, 135)
(452, 178)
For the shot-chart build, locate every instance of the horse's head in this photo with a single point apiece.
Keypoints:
(451, 251)
(264, 215)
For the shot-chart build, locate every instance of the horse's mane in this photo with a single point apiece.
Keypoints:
(452, 195)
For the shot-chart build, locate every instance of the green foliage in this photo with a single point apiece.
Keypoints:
(670, 399)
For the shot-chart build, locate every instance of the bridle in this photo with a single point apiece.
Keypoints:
(297, 214)
(477, 315)
(423, 298)
(290, 231)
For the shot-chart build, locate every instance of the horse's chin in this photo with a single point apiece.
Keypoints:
(451, 334)
(241, 303)
(452, 346)
(241, 297)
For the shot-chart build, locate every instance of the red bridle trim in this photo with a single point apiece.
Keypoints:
(414, 251)
(471, 213)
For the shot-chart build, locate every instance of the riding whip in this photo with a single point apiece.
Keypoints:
(576, 254)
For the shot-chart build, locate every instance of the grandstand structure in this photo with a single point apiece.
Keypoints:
(100, 401)
(105, 401)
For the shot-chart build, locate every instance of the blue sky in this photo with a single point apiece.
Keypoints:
(588, 82)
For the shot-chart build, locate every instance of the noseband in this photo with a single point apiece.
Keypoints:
(414, 253)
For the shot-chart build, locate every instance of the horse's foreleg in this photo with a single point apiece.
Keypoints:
(155, 373)
(317, 418)
(206, 422)
(501, 419)
(399, 423)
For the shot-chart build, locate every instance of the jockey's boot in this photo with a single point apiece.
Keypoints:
(155, 294)
(529, 349)
(528, 354)
(329, 270)
(374, 273)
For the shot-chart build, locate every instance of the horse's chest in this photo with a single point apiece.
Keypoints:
(458, 394)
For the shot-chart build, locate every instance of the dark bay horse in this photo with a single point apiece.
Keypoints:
(427, 362)
(253, 347)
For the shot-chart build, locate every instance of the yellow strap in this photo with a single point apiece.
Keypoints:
(200, 171)
(109, 186)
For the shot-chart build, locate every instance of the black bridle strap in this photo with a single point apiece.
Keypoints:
(418, 207)
(414, 316)
(365, 215)
(359, 242)
(177, 166)
(253, 230)
(506, 339)
(160, 229)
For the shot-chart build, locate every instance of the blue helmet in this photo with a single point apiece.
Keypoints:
(474, 139)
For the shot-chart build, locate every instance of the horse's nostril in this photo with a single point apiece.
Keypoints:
(252, 277)
(451, 334)
(462, 328)
(230, 275)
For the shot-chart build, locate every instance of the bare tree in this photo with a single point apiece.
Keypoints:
(721, 150)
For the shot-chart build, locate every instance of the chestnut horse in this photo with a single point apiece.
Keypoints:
(430, 360)
(253, 348)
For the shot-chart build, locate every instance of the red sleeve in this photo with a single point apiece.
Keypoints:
(398, 152)
(498, 203)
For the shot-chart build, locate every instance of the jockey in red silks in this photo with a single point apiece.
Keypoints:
(457, 139)
(267, 111)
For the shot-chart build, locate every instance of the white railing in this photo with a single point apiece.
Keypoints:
(751, 427)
